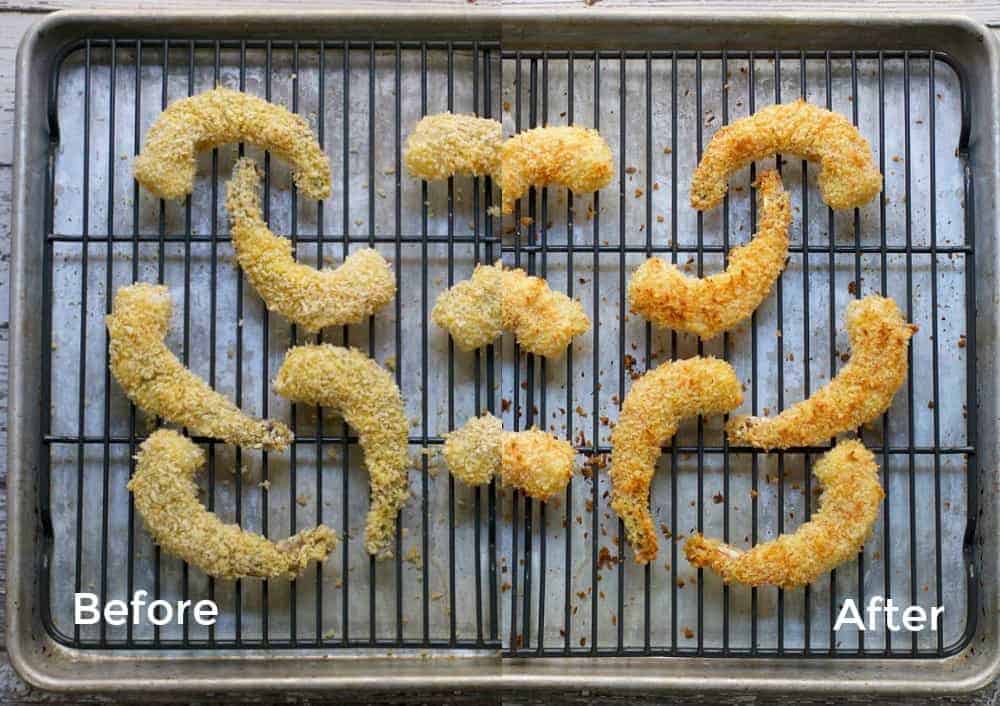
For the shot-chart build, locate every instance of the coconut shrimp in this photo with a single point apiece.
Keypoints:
(156, 381)
(848, 509)
(370, 402)
(313, 298)
(860, 392)
(446, 144)
(650, 415)
(848, 175)
(166, 497)
(532, 461)
(708, 306)
(166, 166)
(575, 157)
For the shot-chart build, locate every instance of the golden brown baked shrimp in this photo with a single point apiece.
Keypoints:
(370, 402)
(447, 144)
(156, 381)
(848, 509)
(575, 157)
(362, 285)
(848, 176)
(532, 461)
(652, 410)
(166, 166)
(708, 306)
(166, 497)
(861, 391)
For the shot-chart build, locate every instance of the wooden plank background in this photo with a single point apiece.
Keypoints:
(17, 15)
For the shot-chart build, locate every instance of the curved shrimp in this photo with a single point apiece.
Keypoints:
(848, 509)
(156, 381)
(447, 144)
(650, 414)
(166, 497)
(370, 402)
(470, 310)
(532, 461)
(310, 297)
(575, 157)
(708, 306)
(861, 391)
(848, 176)
(167, 164)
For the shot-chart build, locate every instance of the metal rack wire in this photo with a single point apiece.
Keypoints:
(489, 569)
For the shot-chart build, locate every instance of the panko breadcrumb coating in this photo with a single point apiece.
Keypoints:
(708, 306)
(156, 381)
(532, 461)
(848, 509)
(370, 402)
(446, 144)
(650, 414)
(166, 497)
(470, 310)
(543, 320)
(312, 298)
(860, 392)
(848, 175)
(575, 157)
(166, 166)
(475, 311)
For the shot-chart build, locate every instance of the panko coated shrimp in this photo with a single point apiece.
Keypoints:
(313, 298)
(156, 381)
(166, 166)
(166, 497)
(836, 533)
(447, 144)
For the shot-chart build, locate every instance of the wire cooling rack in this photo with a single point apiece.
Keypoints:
(487, 568)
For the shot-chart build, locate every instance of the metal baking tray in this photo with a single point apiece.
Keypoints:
(489, 590)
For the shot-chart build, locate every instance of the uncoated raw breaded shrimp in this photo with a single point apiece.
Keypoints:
(156, 381)
(166, 166)
(166, 497)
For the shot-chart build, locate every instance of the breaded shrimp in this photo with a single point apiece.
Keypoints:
(708, 306)
(848, 509)
(470, 310)
(475, 311)
(312, 298)
(370, 402)
(859, 393)
(575, 157)
(848, 175)
(167, 498)
(156, 381)
(543, 320)
(652, 410)
(166, 166)
(446, 144)
(532, 461)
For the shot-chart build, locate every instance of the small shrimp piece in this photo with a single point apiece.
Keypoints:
(166, 497)
(575, 157)
(708, 306)
(370, 402)
(167, 164)
(470, 311)
(848, 509)
(313, 298)
(156, 381)
(650, 414)
(848, 175)
(446, 144)
(860, 392)
(476, 310)
(543, 320)
(532, 461)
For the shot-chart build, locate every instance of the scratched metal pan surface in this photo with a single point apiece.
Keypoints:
(488, 590)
